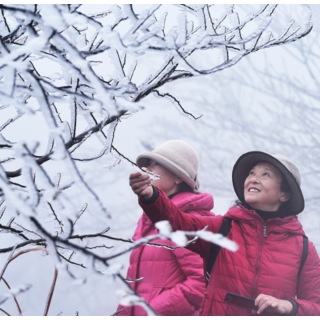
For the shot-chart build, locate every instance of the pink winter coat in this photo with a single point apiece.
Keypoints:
(174, 283)
(267, 261)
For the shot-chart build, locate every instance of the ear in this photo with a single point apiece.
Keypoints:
(285, 197)
(178, 180)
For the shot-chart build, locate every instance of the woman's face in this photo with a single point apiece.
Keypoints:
(262, 188)
(168, 182)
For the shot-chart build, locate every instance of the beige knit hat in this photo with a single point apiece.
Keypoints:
(177, 156)
(291, 172)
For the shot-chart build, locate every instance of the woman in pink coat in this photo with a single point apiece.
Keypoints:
(173, 281)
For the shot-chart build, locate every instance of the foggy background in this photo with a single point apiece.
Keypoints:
(269, 101)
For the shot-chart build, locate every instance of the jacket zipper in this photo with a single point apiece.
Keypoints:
(264, 235)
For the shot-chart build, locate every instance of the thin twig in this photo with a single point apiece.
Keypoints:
(72, 142)
(135, 280)
(102, 246)
(23, 244)
(178, 102)
(71, 262)
(8, 313)
(46, 309)
(15, 299)
(8, 261)
(54, 278)
(28, 250)
(146, 304)
(83, 209)
(13, 230)
(133, 163)
(90, 235)
(117, 312)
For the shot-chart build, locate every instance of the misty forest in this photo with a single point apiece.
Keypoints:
(84, 89)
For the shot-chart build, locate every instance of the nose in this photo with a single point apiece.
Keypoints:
(254, 179)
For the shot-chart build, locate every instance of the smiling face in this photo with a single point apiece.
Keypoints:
(262, 188)
(169, 182)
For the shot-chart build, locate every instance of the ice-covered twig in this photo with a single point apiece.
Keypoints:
(72, 142)
(14, 292)
(135, 280)
(175, 102)
(15, 299)
(11, 258)
(152, 175)
(135, 299)
(83, 209)
(117, 312)
(19, 232)
(23, 244)
(8, 261)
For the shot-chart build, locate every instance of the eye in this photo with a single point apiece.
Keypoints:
(266, 174)
(251, 173)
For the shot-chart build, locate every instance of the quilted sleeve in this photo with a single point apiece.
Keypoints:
(309, 285)
(164, 209)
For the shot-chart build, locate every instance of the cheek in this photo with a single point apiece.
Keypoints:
(246, 183)
(167, 179)
(274, 187)
(161, 172)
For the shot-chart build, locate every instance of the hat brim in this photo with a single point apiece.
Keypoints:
(248, 160)
(142, 161)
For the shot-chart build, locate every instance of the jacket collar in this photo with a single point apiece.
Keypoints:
(289, 224)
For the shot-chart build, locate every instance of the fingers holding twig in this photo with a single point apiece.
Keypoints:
(141, 184)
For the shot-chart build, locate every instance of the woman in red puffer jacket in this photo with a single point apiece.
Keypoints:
(173, 281)
(268, 233)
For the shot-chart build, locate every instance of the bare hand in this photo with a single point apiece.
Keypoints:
(273, 304)
(141, 184)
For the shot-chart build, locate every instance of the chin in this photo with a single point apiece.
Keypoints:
(250, 202)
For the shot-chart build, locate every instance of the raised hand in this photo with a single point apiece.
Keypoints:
(141, 184)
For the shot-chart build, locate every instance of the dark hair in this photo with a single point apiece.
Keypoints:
(184, 187)
(284, 187)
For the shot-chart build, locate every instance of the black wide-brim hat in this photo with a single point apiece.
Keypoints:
(247, 161)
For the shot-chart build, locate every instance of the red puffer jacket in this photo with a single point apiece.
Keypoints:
(173, 281)
(267, 261)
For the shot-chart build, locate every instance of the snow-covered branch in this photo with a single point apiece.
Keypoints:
(74, 78)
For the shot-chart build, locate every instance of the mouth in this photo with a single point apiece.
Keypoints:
(253, 190)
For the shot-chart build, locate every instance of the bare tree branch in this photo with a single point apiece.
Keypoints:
(8, 313)
(46, 310)
(15, 299)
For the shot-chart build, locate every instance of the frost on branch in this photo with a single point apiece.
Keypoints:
(76, 77)
(180, 237)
